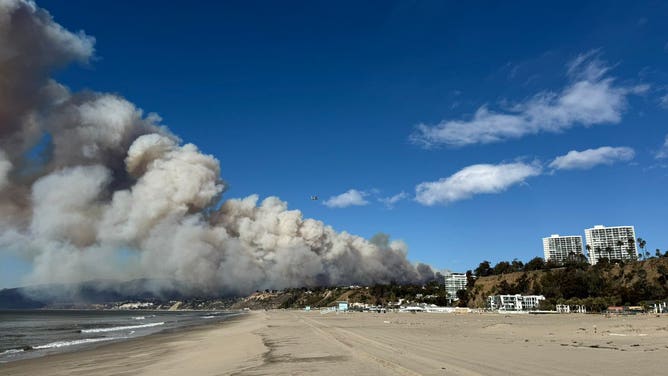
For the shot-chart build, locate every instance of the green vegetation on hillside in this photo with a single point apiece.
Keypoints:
(575, 282)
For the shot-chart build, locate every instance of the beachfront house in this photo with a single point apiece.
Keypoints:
(515, 302)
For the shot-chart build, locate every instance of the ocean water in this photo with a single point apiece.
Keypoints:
(34, 333)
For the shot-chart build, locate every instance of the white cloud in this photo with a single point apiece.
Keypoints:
(586, 159)
(590, 98)
(352, 197)
(663, 152)
(389, 202)
(663, 101)
(472, 180)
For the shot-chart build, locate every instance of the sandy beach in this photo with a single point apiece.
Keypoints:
(303, 343)
(216, 349)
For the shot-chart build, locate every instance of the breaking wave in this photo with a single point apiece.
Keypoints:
(117, 328)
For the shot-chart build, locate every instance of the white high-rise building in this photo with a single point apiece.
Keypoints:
(559, 248)
(453, 283)
(614, 243)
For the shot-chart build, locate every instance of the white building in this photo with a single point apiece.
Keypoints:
(453, 283)
(559, 248)
(342, 305)
(614, 243)
(515, 302)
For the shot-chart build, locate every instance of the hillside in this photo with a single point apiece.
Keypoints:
(86, 294)
(593, 286)
(596, 287)
(381, 295)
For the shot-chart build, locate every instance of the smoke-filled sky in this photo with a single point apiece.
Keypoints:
(469, 132)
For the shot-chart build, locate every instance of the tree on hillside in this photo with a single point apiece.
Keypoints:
(551, 264)
(503, 267)
(536, 263)
(483, 270)
(523, 284)
(470, 280)
(582, 259)
(463, 297)
(620, 244)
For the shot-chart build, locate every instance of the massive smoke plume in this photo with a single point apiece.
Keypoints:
(116, 195)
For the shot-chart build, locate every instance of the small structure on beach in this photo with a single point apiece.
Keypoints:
(342, 305)
(565, 308)
(658, 307)
(625, 310)
(136, 305)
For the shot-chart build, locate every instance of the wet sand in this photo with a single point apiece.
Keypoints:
(305, 343)
(214, 349)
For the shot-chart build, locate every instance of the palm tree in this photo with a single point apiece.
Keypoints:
(597, 253)
(620, 244)
(631, 255)
(630, 247)
(642, 243)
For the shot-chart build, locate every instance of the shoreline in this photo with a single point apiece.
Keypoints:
(290, 342)
(65, 331)
(170, 352)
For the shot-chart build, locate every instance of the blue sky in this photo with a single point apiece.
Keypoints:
(462, 107)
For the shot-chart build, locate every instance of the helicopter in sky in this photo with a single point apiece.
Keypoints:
(314, 198)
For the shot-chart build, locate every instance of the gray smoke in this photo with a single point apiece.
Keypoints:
(116, 195)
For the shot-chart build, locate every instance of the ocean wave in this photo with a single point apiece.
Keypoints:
(207, 317)
(116, 328)
(11, 351)
(72, 343)
(142, 317)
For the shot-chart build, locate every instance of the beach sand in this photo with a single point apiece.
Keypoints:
(306, 343)
(214, 349)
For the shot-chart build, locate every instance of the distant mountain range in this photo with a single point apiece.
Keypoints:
(90, 292)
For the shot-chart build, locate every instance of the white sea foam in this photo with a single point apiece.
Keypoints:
(142, 317)
(208, 317)
(116, 328)
(72, 343)
(11, 351)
